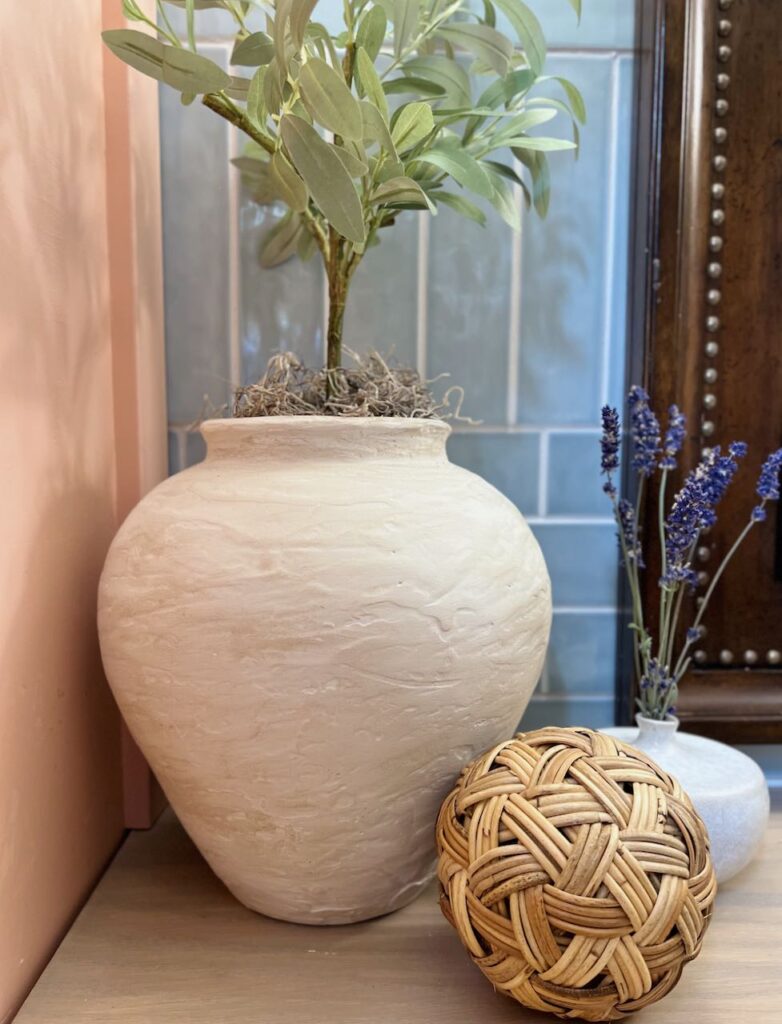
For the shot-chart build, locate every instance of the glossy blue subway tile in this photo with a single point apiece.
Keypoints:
(382, 311)
(468, 309)
(196, 217)
(592, 714)
(574, 481)
(606, 24)
(617, 347)
(566, 262)
(508, 461)
(281, 308)
(582, 653)
(582, 562)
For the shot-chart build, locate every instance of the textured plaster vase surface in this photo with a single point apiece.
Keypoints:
(309, 634)
(728, 788)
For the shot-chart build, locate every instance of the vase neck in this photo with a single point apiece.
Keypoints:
(325, 438)
(655, 734)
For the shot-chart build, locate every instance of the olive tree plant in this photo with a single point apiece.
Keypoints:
(348, 129)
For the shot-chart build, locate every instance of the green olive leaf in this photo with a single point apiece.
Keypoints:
(462, 167)
(328, 99)
(189, 72)
(484, 42)
(462, 206)
(405, 15)
(413, 122)
(352, 164)
(401, 190)
(370, 83)
(256, 50)
(375, 128)
(371, 32)
(300, 16)
(291, 188)
(447, 74)
(324, 174)
(281, 241)
(527, 28)
(256, 107)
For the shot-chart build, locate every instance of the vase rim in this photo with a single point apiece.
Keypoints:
(325, 437)
(670, 721)
(333, 423)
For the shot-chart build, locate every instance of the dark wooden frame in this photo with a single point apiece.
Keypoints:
(707, 238)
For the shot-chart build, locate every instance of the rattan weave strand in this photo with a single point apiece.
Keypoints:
(576, 873)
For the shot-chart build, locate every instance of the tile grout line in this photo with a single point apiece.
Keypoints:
(514, 312)
(422, 297)
(560, 698)
(583, 609)
(518, 428)
(553, 520)
(610, 250)
(543, 464)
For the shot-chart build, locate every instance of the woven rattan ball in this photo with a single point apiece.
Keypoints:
(576, 873)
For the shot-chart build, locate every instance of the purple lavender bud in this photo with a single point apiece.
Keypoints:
(693, 634)
(738, 449)
(758, 514)
(645, 432)
(629, 528)
(693, 510)
(674, 437)
(609, 442)
(768, 482)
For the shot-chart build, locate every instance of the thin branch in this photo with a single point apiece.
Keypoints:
(222, 105)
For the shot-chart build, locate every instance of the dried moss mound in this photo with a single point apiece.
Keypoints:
(370, 387)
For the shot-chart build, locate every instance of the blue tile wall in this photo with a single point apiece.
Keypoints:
(597, 713)
(509, 461)
(196, 219)
(281, 308)
(532, 327)
(582, 654)
(468, 309)
(575, 487)
(573, 261)
(582, 562)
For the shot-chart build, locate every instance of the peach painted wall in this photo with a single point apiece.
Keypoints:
(61, 433)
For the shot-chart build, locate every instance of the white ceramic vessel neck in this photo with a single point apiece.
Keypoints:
(655, 736)
(325, 437)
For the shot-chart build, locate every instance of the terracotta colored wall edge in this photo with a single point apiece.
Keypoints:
(134, 226)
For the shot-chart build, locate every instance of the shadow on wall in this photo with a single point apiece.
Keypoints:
(60, 785)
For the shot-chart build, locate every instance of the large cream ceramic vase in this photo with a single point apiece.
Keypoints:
(309, 634)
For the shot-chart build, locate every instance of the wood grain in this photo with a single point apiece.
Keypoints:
(162, 942)
(685, 135)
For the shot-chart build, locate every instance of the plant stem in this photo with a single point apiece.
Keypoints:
(338, 292)
(223, 106)
(707, 596)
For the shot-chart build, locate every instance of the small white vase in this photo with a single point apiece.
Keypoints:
(728, 788)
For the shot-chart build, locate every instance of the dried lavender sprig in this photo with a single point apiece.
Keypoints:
(674, 437)
(693, 510)
(609, 447)
(659, 691)
(644, 432)
(768, 484)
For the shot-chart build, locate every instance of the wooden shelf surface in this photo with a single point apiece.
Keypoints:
(162, 942)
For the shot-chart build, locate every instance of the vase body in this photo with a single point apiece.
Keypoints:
(308, 635)
(727, 788)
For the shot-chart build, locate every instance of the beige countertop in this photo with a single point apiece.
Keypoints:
(162, 942)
